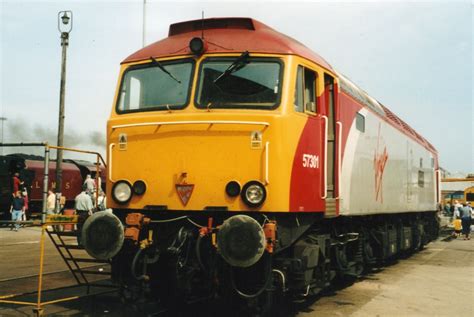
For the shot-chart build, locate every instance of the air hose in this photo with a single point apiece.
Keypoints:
(198, 253)
(134, 265)
(268, 278)
(146, 261)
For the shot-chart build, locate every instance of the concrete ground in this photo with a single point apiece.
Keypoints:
(20, 253)
(438, 281)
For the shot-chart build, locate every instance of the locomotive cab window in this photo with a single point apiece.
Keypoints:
(421, 179)
(243, 82)
(155, 86)
(360, 122)
(305, 90)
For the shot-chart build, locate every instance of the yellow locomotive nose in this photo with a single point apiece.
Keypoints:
(217, 162)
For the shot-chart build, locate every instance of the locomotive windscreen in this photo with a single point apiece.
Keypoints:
(156, 86)
(254, 85)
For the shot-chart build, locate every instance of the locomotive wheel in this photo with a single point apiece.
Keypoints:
(340, 253)
(368, 253)
(128, 295)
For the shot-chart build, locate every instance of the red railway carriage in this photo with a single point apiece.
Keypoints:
(244, 167)
(31, 171)
(72, 180)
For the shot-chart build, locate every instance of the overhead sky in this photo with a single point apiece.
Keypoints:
(414, 57)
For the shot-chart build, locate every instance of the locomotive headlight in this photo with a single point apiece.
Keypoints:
(254, 194)
(197, 46)
(122, 192)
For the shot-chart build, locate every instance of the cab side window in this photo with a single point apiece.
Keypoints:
(299, 98)
(305, 90)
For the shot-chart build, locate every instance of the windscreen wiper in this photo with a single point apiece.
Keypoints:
(239, 63)
(155, 62)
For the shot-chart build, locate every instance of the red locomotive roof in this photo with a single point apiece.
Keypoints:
(226, 35)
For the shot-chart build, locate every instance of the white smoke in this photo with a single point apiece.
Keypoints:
(20, 132)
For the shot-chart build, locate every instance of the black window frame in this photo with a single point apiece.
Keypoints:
(231, 59)
(150, 65)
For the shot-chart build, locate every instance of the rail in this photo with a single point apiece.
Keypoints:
(438, 186)
(267, 167)
(339, 158)
(51, 220)
(453, 180)
(109, 174)
(325, 171)
(47, 220)
(211, 122)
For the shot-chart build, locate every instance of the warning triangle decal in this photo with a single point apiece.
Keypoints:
(184, 192)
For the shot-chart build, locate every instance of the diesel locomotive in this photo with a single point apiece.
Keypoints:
(242, 166)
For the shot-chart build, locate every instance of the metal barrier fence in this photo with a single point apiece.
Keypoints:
(46, 220)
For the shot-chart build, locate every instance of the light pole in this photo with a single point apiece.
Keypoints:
(3, 119)
(144, 23)
(64, 27)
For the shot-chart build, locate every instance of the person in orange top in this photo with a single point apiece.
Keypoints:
(16, 183)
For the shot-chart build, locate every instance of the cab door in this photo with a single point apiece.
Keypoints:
(306, 186)
(332, 139)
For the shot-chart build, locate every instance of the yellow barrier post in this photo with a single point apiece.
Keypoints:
(51, 220)
(39, 310)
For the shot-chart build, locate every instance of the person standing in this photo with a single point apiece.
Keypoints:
(25, 199)
(90, 184)
(457, 208)
(16, 182)
(83, 206)
(447, 209)
(466, 215)
(98, 182)
(101, 201)
(17, 208)
(50, 203)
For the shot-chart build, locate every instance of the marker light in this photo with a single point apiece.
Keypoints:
(254, 194)
(232, 189)
(139, 187)
(122, 192)
(197, 46)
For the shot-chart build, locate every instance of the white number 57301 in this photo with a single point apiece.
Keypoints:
(310, 161)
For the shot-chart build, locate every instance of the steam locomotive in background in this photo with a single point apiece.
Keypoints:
(31, 171)
(243, 167)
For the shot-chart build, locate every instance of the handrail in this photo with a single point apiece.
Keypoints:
(111, 146)
(266, 124)
(438, 184)
(339, 158)
(78, 151)
(267, 149)
(325, 181)
(85, 152)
